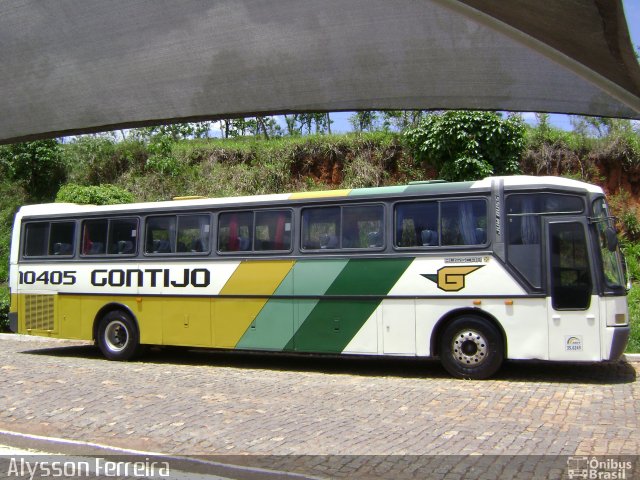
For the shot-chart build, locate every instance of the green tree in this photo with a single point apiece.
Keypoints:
(365, 120)
(13, 196)
(468, 145)
(266, 126)
(38, 166)
(401, 119)
(297, 123)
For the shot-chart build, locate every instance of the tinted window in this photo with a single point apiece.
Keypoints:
(61, 238)
(362, 226)
(531, 203)
(36, 235)
(321, 228)
(524, 248)
(94, 237)
(417, 224)
(273, 230)
(45, 238)
(524, 229)
(446, 223)
(193, 233)
(177, 234)
(570, 272)
(235, 232)
(611, 260)
(115, 236)
(122, 236)
(160, 233)
(463, 222)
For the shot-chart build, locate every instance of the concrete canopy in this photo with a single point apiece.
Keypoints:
(77, 66)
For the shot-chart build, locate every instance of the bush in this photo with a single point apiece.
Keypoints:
(634, 319)
(13, 197)
(632, 256)
(627, 215)
(94, 195)
(165, 165)
(4, 308)
(468, 145)
(38, 166)
(97, 160)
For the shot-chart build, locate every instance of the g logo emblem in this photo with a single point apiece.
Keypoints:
(452, 279)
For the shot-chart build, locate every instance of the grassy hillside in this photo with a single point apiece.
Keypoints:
(152, 170)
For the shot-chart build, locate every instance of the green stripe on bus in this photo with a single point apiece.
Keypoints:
(378, 191)
(438, 188)
(274, 327)
(332, 323)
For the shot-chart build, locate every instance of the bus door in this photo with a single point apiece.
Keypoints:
(573, 307)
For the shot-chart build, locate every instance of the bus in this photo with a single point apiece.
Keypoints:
(472, 273)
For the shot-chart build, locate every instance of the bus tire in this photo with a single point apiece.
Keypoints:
(118, 337)
(472, 348)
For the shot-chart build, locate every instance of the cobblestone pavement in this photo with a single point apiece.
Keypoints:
(210, 403)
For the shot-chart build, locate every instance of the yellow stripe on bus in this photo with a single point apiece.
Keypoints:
(320, 194)
(232, 316)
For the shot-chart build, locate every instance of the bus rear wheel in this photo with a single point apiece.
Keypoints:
(118, 337)
(472, 348)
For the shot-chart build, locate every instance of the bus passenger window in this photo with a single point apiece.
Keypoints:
(61, 238)
(464, 222)
(362, 226)
(193, 233)
(94, 237)
(273, 230)
(321, 228)
(417, 224)
(36, 239)
(122, 236)
(160, 233)
(235, 232)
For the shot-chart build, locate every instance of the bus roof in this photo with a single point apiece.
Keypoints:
(414, 188)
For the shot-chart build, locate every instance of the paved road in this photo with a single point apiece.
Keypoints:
(279, 408)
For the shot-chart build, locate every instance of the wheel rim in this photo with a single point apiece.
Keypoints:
(469, 348)
(116, 336)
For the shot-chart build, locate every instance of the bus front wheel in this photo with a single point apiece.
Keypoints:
(472, 348)
(118, 337)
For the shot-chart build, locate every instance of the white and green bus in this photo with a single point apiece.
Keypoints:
(473, 273)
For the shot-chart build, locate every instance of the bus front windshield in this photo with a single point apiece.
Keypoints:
(611, 257)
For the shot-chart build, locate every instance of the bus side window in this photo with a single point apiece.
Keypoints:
(193, 233)
(417, 224)
(160, 234)
(94, 237)
(362, 226)
(235, 231)
(36, 235)
(321, 228)
(123, 234)
(464, 222)
(273, 230)
(61, 238)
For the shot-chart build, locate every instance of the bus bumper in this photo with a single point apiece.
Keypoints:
(13, 322)
(619, 342)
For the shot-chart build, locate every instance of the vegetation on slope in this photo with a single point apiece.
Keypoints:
(162, 162)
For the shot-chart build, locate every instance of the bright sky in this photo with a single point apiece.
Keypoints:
(632, 12)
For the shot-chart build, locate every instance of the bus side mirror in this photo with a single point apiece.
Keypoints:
(612, 239)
